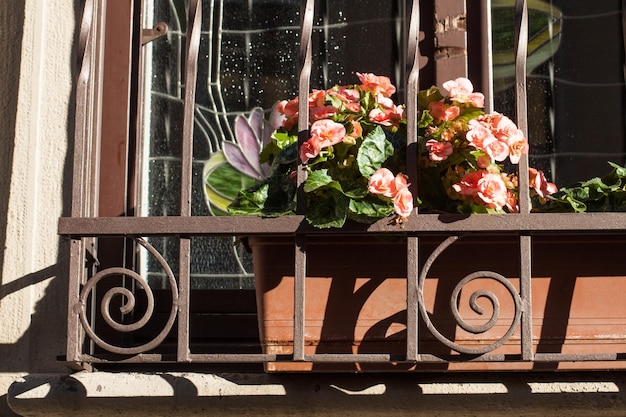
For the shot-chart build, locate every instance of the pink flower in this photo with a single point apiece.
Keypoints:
(322, 112)
(538, 182)
(309, 149)
(327, 132)
(438, 151)
(376, 84)
(483, 188)
(289, 109)
(384, 182)
(398, 184)
(357, 129)
(385, 102)
(346, 95)
(468, 186)
(511, 202)
(461, 91)
(317, 98)
(387, 117)
(381, 182)
(277, 118)
(353, 107)
(498, 151)
(403, 202)
(507, 132)
(443, 111)
(492, 191)
(479, 135)
(517, 149)
(380, 117)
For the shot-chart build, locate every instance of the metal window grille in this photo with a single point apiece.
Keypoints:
(83, 229)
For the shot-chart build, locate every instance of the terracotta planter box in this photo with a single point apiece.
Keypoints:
(356, 299)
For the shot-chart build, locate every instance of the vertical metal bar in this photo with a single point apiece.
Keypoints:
(299, 298)
(624, 31)
(191, 71)
(412, 317)
(307, 8)
(412, 89)
(304, 84)
(521, 38)
(526, 296)
(487, 58)
(87, 100)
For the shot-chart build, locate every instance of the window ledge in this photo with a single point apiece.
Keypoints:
(190, 394)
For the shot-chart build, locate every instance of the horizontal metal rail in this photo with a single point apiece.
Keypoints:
(562, 223)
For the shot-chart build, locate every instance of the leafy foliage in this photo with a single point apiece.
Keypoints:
(599, 194)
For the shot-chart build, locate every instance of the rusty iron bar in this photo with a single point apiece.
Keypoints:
(521, 105)
(440, 224)
(307, 11)
(525, 242)
(351, 358)
(194, 26)
(412, 88)
(89, 46)
(486, 59)
(521, 40)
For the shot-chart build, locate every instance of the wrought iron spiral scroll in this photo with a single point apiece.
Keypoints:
(454, 301)
(128, 305)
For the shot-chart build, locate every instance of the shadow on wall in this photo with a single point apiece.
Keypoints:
(12, 20)
(37, 348)
(426, 394)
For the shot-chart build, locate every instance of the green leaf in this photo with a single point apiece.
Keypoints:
(425, 120)
(364, 211)
(283, 139)
(470, 113)
(618, 171)
(273, 197)
(281, 195)
(373, 152)
(358, 191)
(317, 179)
(250, 201)
(428, 96)
(328, 212)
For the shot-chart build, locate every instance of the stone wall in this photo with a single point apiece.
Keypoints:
(36, 86)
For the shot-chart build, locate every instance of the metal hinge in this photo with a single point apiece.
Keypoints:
(148, 35)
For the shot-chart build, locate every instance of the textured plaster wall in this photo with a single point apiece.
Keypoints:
(36, 44)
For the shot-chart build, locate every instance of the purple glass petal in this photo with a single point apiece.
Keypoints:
(256, 121)
(248, 142)
(236, 158)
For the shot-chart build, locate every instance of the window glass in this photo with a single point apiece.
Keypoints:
(575, 84)
(248, 59)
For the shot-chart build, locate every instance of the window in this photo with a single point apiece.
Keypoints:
(132, 160)
(576, 55)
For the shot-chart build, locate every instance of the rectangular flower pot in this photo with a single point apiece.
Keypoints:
(356, 301)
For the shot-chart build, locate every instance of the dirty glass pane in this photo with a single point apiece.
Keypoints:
(575, 84)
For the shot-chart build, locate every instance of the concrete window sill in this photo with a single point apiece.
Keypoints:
(192, 394)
